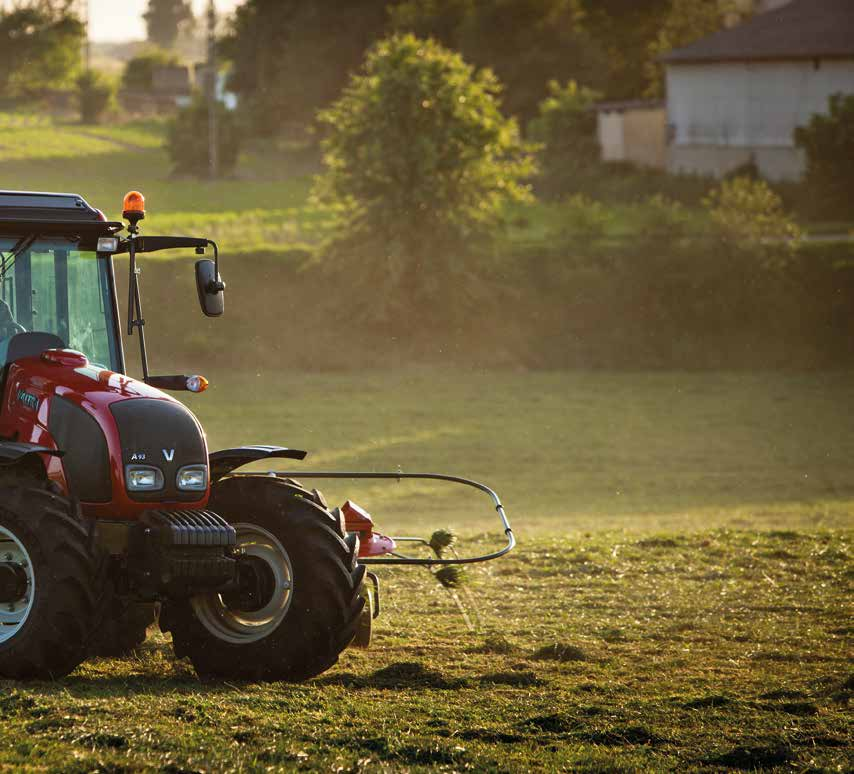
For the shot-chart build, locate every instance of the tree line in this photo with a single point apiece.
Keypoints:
(291, 58)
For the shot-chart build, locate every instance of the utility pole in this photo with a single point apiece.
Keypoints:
(85, 10)
(213, 161)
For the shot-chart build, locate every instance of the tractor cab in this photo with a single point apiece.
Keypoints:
(57, 276)
(51, 278)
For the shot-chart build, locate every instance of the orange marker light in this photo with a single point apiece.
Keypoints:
(197, 383)
(133, 207)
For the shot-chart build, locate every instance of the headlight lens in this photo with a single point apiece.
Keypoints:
(143, 478)
(193, 478)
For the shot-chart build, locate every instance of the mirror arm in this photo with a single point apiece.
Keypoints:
(135, 318)
(215, 285)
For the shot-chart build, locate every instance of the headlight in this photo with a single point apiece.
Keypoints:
(143, 478)
(193, 478)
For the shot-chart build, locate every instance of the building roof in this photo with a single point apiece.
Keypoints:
(802, 29)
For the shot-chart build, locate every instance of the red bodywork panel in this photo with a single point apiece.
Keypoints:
(358, 520)
(68, 374)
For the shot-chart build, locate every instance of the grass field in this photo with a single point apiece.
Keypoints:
(680, 598)
(720, 650)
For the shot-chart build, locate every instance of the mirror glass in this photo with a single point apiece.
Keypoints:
(211, 301)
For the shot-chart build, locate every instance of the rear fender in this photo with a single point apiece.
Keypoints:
(224, 462)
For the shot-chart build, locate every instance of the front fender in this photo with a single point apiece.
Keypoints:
(224, 462)
(12, 452)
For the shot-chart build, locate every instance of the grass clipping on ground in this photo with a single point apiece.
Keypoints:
(719, 650)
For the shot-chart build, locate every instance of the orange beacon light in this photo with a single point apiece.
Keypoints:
(133, 207)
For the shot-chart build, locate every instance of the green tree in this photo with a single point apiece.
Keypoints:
(290, 57)
(526, 42)
(164, 19)
(566, 131)
(40, 45)
(685, 22)
(624, 30)
(421, 159)
(828, 141)
(95, 95)
(188, 134)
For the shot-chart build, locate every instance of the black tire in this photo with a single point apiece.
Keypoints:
(68, 572)
(124, 627)
(325, 602)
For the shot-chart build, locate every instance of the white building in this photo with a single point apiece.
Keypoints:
(633, 131)
(739, 94)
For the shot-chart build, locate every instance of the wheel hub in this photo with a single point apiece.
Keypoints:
(255, 610)
(13, 582)
(17, 584)
(257, 585)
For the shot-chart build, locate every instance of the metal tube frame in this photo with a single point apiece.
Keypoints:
(400, 476)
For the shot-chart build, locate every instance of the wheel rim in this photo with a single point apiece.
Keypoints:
(13, 615)
(244, 626)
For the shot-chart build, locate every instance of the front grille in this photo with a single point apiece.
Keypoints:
(164, 434)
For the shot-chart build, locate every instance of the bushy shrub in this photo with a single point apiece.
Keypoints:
(138, 74)
(95, 96)
(422, 160)
(748, 216)
(828, 141)
(584, 219)
(566, 132)
(187, 139)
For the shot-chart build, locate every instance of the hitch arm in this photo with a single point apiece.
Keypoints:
(397, 476)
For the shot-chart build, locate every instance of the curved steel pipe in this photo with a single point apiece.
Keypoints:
(399, 476)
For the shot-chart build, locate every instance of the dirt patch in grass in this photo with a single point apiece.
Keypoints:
(801, 708)
(512, 678)
(103, 741)
(488, 735)
(497, 645)
(553, 724)
(657, 542)
(560, 651)
(783, 693)
(715, 700)
(409, 674)
(751, 758)
(629, 735)
(406, 674)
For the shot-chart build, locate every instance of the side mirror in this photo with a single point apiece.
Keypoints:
(211, 288)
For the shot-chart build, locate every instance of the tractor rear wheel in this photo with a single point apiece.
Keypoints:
(301, 598)
(47, 622)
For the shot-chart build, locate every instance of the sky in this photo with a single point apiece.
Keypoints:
(113, 20)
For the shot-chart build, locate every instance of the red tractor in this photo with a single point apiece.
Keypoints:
(111, 504)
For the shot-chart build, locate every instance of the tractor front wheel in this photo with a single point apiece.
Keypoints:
(54, 575)
(301, 589)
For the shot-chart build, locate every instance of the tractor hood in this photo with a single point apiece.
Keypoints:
(103, 423)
